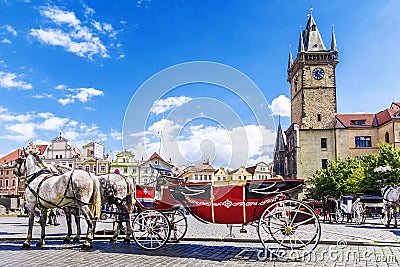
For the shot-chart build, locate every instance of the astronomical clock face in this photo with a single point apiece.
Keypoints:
(318, 73)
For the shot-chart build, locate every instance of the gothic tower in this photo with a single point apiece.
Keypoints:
(310, 138)
(312, 80)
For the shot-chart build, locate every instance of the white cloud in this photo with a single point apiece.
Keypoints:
(21, 131)
(6, 41)
(11, 30)
(116, 135)
(281, 106)
(65, 101)
(163, 105)
(72, 34)
(243, 145)
(10, 80)
(61, 87)
(42, 96)
(82, 94)
(53, 123)
(60, 16)
(86, 93)
(6, 116)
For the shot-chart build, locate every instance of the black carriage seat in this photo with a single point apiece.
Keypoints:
(197, 191)
(261, 189)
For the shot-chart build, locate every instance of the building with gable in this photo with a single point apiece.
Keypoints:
(59, 152)
(125, 164)
(147, 173)
(93, 159)
(200, 173)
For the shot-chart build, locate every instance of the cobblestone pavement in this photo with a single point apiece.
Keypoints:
(341, 245)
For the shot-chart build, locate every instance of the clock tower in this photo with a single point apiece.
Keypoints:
(312, 80)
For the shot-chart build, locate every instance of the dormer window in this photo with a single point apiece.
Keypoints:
(358, 122)
(314, 27)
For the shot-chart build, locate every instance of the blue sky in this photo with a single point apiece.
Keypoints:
(75, 66)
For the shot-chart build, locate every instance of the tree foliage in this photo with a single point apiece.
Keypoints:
(357, 175)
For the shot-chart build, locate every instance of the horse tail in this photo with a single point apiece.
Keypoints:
(96, 199)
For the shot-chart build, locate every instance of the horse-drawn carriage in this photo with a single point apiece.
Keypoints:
(286, 227)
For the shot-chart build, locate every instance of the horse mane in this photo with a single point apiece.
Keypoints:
(40, 162)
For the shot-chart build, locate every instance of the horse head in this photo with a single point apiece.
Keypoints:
(20, 166)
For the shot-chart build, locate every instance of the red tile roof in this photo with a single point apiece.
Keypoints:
(352, 120)
(251, 169)
(205, 166)
(386, 115)
(12, 156)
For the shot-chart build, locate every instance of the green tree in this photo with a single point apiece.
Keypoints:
(357, 175)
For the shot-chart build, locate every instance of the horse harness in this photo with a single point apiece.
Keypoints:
(50, 175)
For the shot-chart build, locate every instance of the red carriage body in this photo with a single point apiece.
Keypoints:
(240, 203)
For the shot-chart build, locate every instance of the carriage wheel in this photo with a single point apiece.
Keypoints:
(151, 229)
(179, 225)
(289, 229)
(339, 216)
(358, 214)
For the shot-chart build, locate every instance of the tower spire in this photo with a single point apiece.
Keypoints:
(301, 41)
(333, 42)
(290, 61)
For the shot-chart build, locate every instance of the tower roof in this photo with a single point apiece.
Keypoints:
(280, 141)
(312, 39)
(333, 42)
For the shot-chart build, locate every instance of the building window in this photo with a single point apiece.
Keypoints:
(362, 122)
(125, 170)
(323, 143)
(363, 141)
(387, 137)
(56, 156)
(324, 163)
(80, 167)
(6, 183)
(13, 182)
(95, 168)
(319, 117)
(87, 168)
(102, 168)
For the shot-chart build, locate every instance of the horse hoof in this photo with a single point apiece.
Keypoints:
(76, 239)
(25, 245)
(40, 245)
(112, 240)
(127, 241)
(67, 241)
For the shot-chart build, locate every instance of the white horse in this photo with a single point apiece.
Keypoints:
(74, 189)
(115, 190)
(391, 199)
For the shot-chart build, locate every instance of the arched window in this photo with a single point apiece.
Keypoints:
(387, 139)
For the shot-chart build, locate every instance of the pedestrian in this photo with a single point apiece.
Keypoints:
(51, 214)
